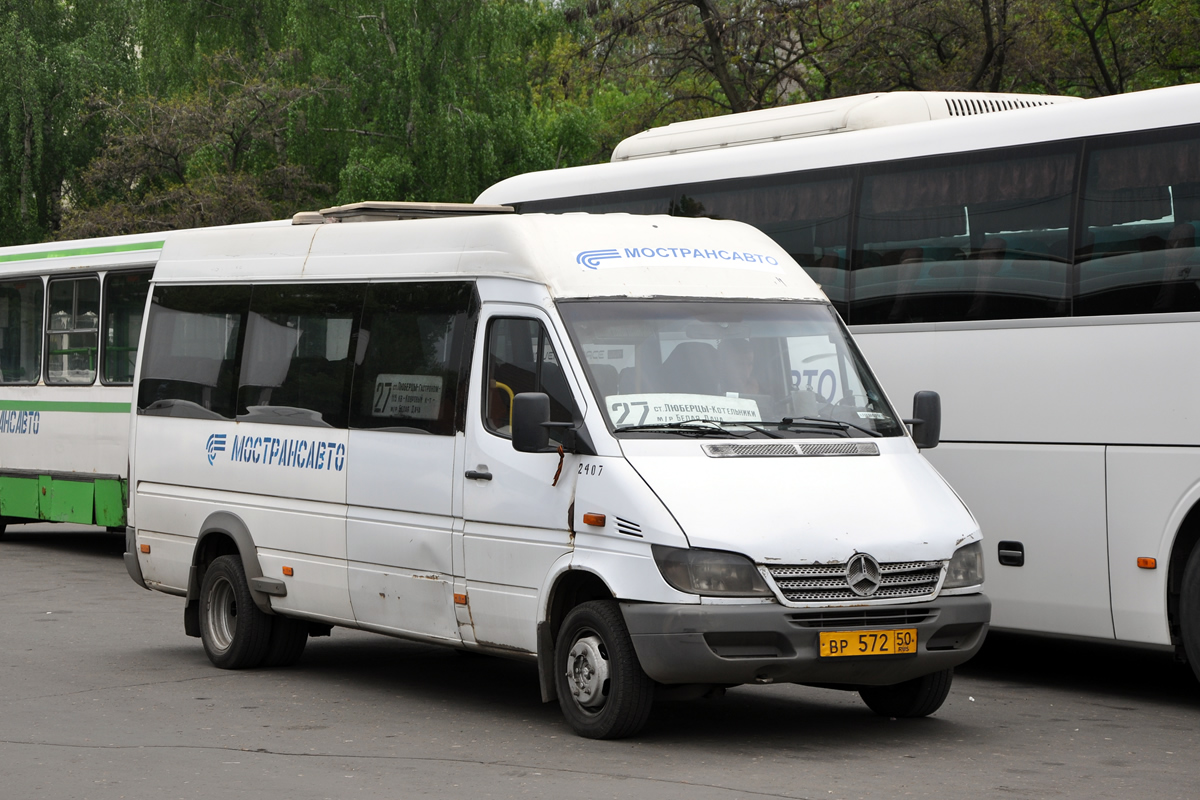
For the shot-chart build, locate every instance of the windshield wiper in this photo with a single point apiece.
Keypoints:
(698, 427)
(822, 423)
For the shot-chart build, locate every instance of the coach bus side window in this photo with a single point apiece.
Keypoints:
(124, 305)
(633, 201)
(968, 238)
(810, 220)
(412, 358)
(72, 327)
(193, 346)
(20, 331)
(296, 366)
(1138, 250)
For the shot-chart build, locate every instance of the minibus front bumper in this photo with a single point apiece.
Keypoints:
(769, 643)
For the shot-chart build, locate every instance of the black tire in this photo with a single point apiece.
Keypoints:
(288, 638)
(602, 690)
(1189, 610)
(234, 631)
(919, 697)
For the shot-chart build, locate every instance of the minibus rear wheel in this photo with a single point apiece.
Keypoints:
(919, 697)
(602, 690)
(288, 638)
(235, 633)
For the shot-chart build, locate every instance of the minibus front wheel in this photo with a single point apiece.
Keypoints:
(235, 633)
(602, 690)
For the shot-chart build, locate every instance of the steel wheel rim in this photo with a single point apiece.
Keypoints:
(588, 672)
(222, 614)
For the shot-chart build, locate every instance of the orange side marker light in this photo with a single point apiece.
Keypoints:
(288, 571)
(594, 519)
(145, 548)
(1147, 563)
(460, 599)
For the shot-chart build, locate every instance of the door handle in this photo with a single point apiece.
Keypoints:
(1011, 554)
(480, 474)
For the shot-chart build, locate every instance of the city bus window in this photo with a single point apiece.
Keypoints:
(71, 335)
(296, 366)
(20, 330)
(810, 220)
(412, 357)
(521, 358)
(124, 305)
(1141, 217)
(967, 239)
(193, 339)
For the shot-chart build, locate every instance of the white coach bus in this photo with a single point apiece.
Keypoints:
(576, 440)
(70, 319)
(1039, 268)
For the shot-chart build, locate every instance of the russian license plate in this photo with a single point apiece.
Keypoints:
(900, 641)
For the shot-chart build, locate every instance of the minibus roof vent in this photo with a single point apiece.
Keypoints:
(820, 118)
(381, 210)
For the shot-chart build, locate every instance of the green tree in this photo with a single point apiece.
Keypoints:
(54, 56)
(214, 156)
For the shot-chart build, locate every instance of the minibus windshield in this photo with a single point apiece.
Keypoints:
(752, 369)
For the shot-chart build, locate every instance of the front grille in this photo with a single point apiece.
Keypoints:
(826, 583)
(887, 617)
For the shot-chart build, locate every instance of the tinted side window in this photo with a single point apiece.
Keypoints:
(193, 343)
(634, 201)
(970, 238)
(412, 356)
(21, 330)
(810, 220)
(124, 305)
(296, 366)
(521, 358)
(1141, 218)
(73, 323)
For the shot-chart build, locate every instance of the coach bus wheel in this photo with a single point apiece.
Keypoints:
(601, 687)
(288, 638)
(1189, 610)
(919, 697)
(234, 631)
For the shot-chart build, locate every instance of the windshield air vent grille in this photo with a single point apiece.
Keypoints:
(828, 583)
(779, 449)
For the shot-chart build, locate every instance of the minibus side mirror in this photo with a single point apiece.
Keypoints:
(530, 413)
(927, 420)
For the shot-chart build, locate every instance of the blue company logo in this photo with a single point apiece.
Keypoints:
(297, 453)
(592, 258)
(20, 422)
(216, 444)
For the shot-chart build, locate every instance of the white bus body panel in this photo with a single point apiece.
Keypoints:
(95, 440)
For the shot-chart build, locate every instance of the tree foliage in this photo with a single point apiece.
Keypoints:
(124, 115)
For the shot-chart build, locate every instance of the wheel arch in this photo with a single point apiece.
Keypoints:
(1187, 536)
(222, 534)
(569, 588)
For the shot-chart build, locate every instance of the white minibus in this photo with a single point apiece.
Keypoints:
(642, 452)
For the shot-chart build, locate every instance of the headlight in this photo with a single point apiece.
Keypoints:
(966, 568)
(710, 572)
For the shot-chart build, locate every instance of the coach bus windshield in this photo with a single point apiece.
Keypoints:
(727, 369)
